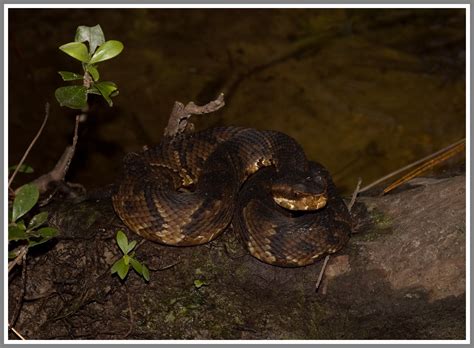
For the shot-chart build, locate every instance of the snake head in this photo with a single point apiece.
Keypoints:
(300, 192)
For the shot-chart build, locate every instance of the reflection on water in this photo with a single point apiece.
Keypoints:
(364, 91)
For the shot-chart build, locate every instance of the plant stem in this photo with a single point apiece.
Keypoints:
(46, 115)
(321, 273)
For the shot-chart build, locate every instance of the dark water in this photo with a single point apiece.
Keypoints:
(364, 91)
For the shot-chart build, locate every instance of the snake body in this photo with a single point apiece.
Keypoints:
(190, 188)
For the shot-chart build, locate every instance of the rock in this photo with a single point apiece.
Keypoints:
(404, 276)
(424, 243)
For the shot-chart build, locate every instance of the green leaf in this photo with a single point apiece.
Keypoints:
(38, 220)
(145, 273)
(137, 266)
(48, 232)
(33, 243)
(107, 50)
(45, 233)
(94, 35)
(116, 266)
(123, 271)
(24, 168)
(70, 76)
(74, 97)
(126, 259)
(198, 283)
(122, 241)
(16, 233)
(131, 245)
(21, 224)
(76, 50)
(25, 199)
(93, 90)
(93, 71)
(12, 254)
(140, 269)
(121, 268)
(106, 88)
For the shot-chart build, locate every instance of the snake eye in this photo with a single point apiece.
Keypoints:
(319, 180)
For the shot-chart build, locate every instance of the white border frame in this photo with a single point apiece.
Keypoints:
(6, 7)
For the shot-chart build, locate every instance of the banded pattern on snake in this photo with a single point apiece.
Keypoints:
(190, 188)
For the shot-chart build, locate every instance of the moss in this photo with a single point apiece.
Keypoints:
(380, 225)
(381, 221)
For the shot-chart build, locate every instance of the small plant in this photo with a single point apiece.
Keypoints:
(122, 266)
(24, 168)
(198, 283)
(99, 50)
(31, 233)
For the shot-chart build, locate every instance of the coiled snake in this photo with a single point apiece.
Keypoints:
(190, 188)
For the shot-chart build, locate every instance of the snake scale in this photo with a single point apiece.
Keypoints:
(190, 188)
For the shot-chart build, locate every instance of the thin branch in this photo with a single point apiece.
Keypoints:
(17, 333)
(302, 46)
(59, 171)
(165, 267)
(180, 114)
(349, 207)
(46, 115)
(16, 312)
(411, 165)
(354, 194)
(130, 311)
(40, 296)
(321, 273)
(19, 258)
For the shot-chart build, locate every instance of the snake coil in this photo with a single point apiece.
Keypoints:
(190, 188)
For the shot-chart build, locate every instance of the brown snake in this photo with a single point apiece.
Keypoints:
(190, 188)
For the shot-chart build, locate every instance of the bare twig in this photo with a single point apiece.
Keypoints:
(130, 314)
(140, 243)
(19, 258)
(354, 194)
(17, 333)
(59, 171)
(46, 115)
(321, 273)
(16, 312)
(165, 267)
(180, 114)
(302, 46)
(411, 165)
(349, 207)
(40, 296)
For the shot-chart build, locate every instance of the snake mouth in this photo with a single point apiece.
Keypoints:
(306, 203)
